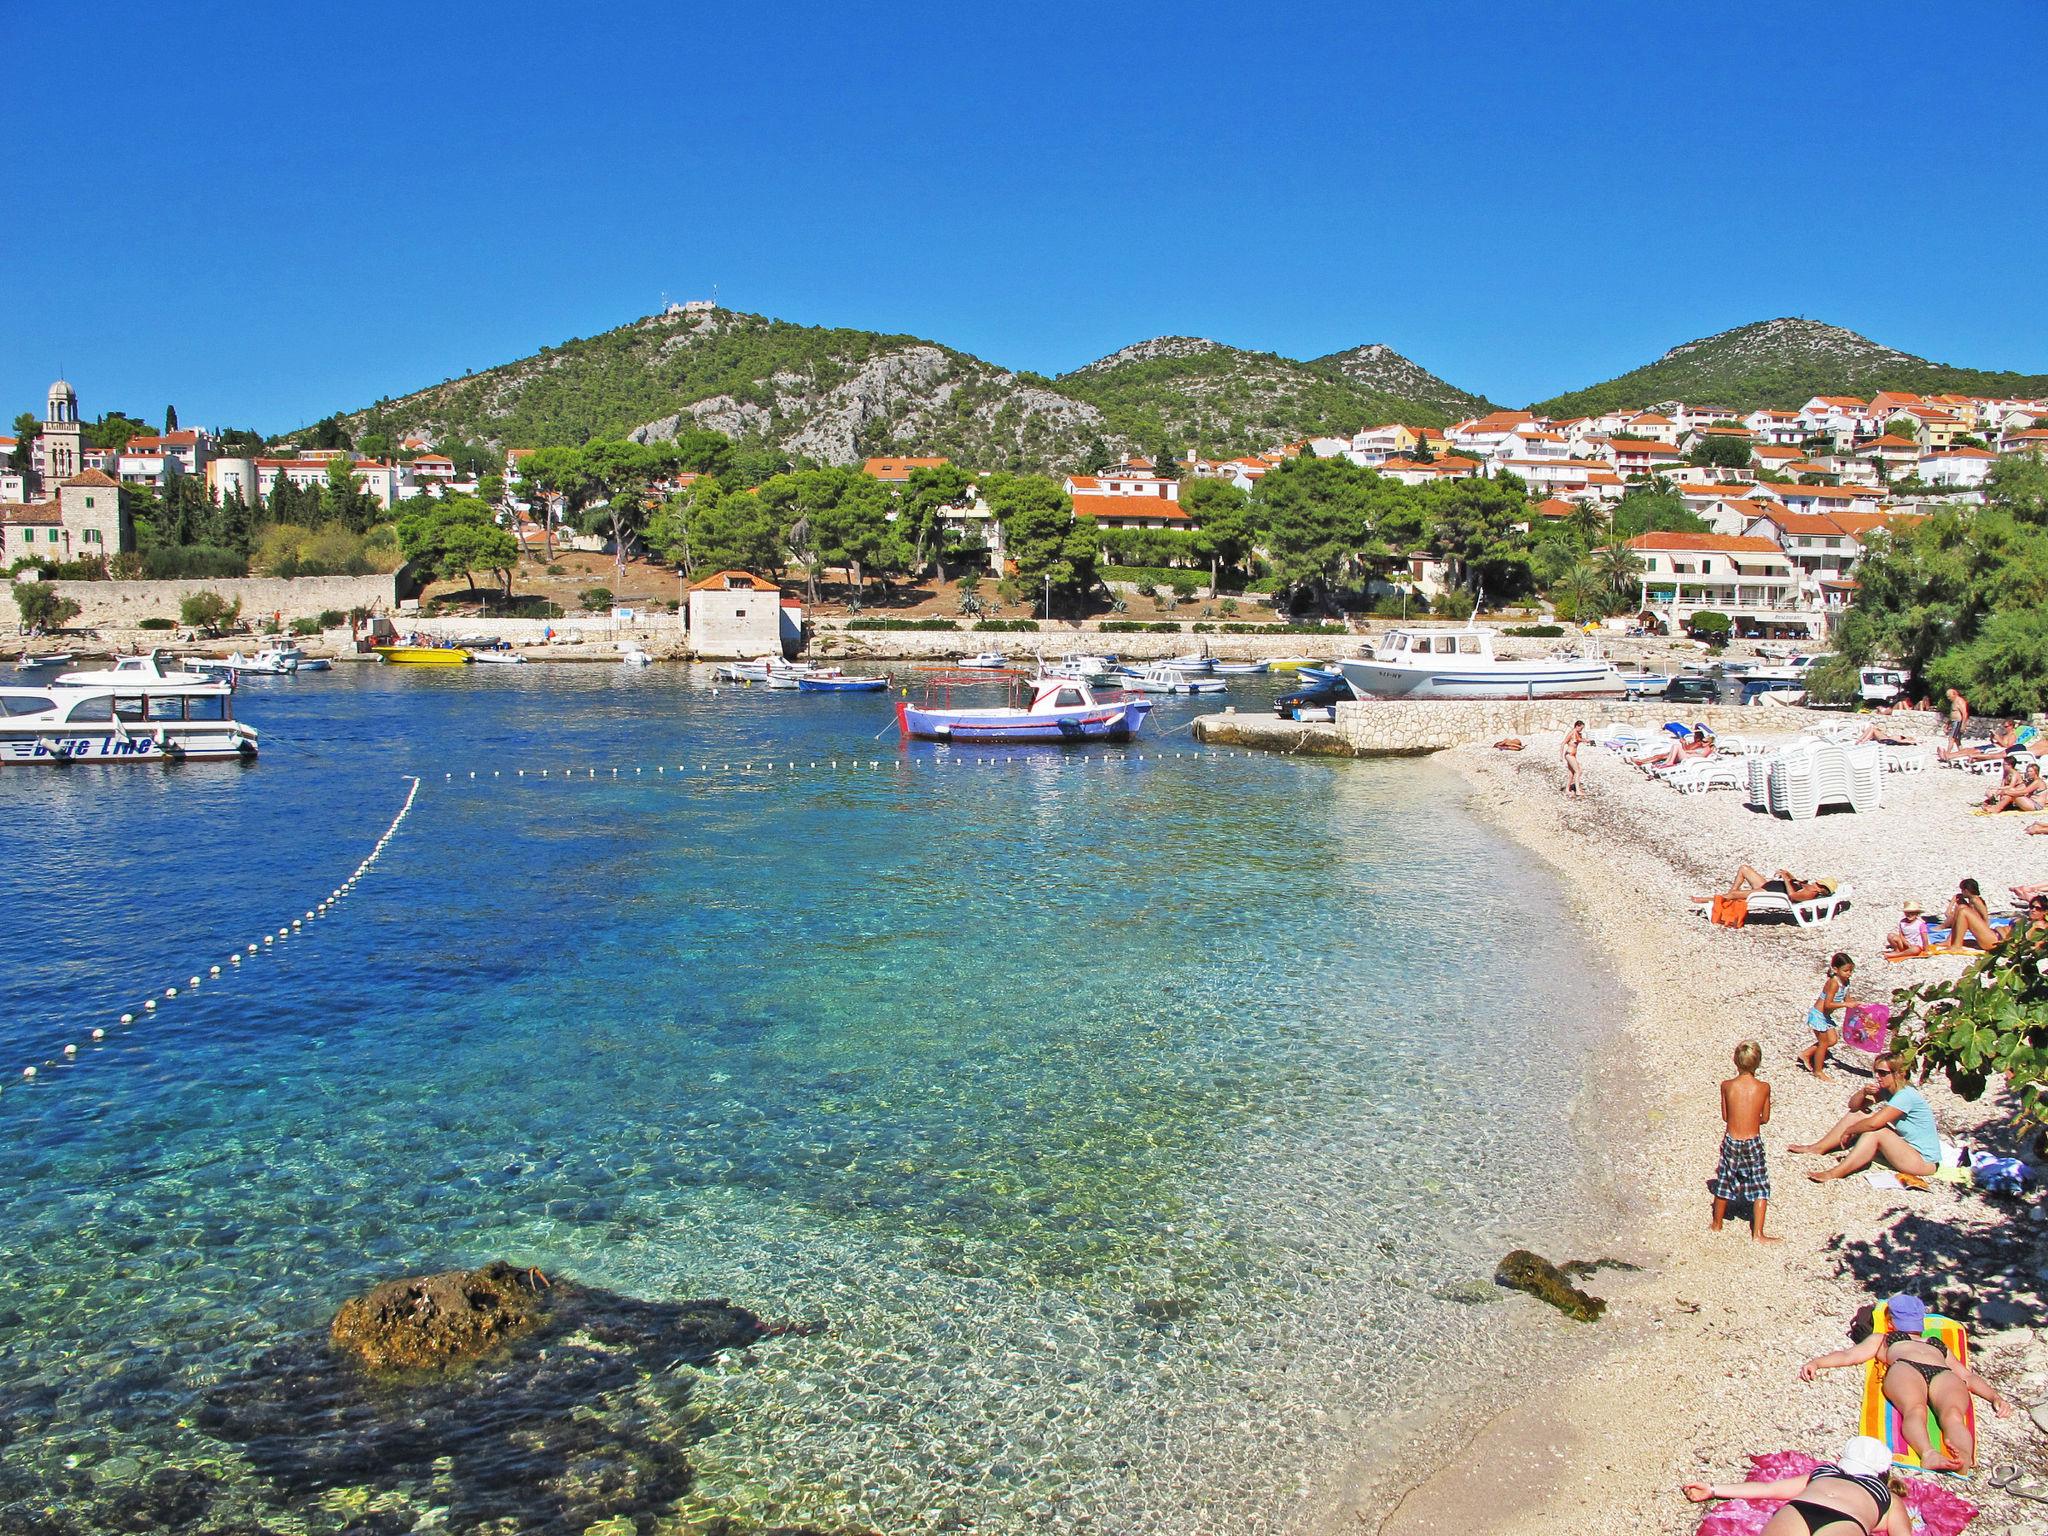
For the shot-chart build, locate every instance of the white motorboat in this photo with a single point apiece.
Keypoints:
(1189, 663)
(633, 656)
(1061, 712)
(156, 720)
(300, 661)
(235, 664)
(497, 659)
(46, 659)
(761, 669)
(984, 661)
(1082, 669)
(135, 673)
(1463, 664)
(1164, 679)
(1239, 668)
(1640, 684)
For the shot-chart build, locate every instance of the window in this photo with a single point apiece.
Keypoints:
(92, 536)
(100, 708)
(207, 707)
(29, 704)
(88, 502)
(129, 706)
(1069, 698)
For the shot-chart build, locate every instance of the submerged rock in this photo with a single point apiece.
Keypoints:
(1522, 1270)
(429, 1322)
(528, 1405)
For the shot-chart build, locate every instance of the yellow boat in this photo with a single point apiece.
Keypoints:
(422, 655)
(1290, 663)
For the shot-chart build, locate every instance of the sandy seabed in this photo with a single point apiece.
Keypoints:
(1695, 1367)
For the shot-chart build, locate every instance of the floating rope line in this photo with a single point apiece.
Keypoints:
(586, 773)
(269, 941)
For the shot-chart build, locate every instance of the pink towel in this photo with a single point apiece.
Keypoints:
(1936, 1510)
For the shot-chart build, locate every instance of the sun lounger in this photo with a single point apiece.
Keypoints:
(1905, 759)
(1807, 914)
(1699, 776)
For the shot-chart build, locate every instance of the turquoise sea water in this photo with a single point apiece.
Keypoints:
(1138, 1130)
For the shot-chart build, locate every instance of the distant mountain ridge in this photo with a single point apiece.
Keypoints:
(839, 395)
(1782, 362)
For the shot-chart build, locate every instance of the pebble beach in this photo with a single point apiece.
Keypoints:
(1695, 1367)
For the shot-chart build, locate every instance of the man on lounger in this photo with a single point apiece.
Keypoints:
(1749, 879)
(1891, 1120)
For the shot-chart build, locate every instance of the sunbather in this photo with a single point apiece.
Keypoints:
(1749, 879)
(1889, 1119)
(1969, 917)
(2021, 791)
(1885, 738)
(1697, 745)
(1856, 1492)
(1919, 1374)
(1982, 751)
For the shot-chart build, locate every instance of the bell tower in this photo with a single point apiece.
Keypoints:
(63, 437)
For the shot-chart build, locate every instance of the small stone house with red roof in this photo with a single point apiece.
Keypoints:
(737, 615)
(88, 518)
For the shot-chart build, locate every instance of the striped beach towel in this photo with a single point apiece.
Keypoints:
(1879, 1419)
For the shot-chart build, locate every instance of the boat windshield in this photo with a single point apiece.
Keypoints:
(26, 703)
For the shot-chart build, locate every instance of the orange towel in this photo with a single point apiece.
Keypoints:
(1731, 911)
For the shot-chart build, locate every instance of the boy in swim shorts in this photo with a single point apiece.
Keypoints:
(1745, 1110)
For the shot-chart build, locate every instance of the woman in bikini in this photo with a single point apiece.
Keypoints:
(1969, 917)
(1920, 1374)
(1853, 1495)
(1573, 740)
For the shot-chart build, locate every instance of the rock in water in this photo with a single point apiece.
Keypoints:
(427, 1322)
(1531, 1272)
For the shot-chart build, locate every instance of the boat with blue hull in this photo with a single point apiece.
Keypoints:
(835, 683)
(1062, 711)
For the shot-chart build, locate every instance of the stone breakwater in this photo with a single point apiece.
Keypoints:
(1412, 728)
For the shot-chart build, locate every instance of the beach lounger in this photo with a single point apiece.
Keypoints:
(1697, 777)
(1879, 1419)
(1807, 914)
(1905, 759)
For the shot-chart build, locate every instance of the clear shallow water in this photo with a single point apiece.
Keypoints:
(1140, 1129)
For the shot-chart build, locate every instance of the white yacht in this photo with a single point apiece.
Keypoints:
(129, 673)
(153, 720)
(1464, 664)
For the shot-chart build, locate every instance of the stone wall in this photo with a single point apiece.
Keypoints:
(120, 603)
(1399, 728)
(1052, 644)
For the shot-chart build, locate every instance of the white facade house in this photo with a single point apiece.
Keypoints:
(1749, 579)
(1963, 468)
(736, 614)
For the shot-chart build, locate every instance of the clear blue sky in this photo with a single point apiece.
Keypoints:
(266, 212)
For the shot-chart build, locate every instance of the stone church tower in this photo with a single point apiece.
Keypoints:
(63, 436)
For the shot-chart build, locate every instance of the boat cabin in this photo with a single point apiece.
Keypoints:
(1414, 644)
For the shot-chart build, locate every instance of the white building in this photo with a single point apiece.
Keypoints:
(737, 614)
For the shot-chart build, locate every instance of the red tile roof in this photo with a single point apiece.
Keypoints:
(718, 581)
(1129, 506)
(898, 469)
(96, 479)
(1718, 543)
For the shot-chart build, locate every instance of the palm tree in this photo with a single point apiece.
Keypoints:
(1618, 566)
(1586, 589)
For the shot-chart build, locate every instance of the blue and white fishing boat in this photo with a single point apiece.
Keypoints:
(1319, 677)
(1462, 664)
(983, 661)
(1169, 680)
(1061, 711)
(1642, 684)
(1239, 668)
(836, 683)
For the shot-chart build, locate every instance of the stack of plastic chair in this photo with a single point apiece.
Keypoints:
(1759, 782)
(1831, 776)
(1865, 762)
(1793, 789)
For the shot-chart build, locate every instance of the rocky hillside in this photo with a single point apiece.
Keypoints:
(832, 395)
(1175, 391)
(1783, 363)
(837, 396)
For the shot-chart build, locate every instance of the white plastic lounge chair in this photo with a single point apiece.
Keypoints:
(1905, 759)
(1807, 914)
(1699, 776)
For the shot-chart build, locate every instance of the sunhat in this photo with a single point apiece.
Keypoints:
(1909, 1313)
(1865, 1456)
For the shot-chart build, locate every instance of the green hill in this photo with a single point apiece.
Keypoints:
(1178, 391)
(1781, 363)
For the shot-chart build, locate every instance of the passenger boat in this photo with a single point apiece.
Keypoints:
(155, 720)
(1462, 664)
(1061, 711)
(833, 682)
(423, 655)
(1168, 680)
(46, 659)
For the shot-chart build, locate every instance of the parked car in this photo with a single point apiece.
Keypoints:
(1315, 701)
(1691, 690)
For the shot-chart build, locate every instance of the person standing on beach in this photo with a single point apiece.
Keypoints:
(1745, 1110)
(1958, 716)
(1820, 1018)
(1574, 739)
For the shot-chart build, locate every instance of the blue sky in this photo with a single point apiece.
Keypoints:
(263, 213)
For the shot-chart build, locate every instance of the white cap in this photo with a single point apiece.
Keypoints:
(1865, 1457)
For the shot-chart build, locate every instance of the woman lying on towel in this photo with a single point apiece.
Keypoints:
(1749, 879)
(1920, 1376)
(1857, 1494)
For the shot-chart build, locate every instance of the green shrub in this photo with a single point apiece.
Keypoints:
(157, 623)
(1006, 626)
(1269, 586)
(1136, 627)
(932, 624)
(556, 570)
(185, 562)
(208, 610)
(305, 626)
(1710, 626)
(595, 598)
(331, 618)
(1282, 629)
(1534, 631)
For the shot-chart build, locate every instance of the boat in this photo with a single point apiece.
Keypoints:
(633, 656)
(1061, 711)
(131, 674)
(840, 683)
(1082, 669)
(761, 669)
(1640, 683)
(1289, 663)
(1239, 669)
(1463, 664)
(985, 661)
(301, 661)
(262, 664)
(422, 655)
(1189, 663)
(1319, 677)
(46, 659)
(497, 659)
(1168, 680)
(172, 717)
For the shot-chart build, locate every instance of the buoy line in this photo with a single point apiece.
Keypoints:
(585, 773)
(269, 941)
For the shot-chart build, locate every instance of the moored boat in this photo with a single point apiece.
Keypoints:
(46, 659)
(984, 661)
(634, 656)
(1240, 668)
(1462, 664)
(422, 655)
(839, 683)
(1169, 680)
(1061, 710)
(175, 717)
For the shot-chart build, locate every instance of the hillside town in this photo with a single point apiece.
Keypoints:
(1786, 499)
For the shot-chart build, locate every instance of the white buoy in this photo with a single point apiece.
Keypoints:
(297, 923)
(28, 1071)
(252, 949)
(150, 1006)
(213, 970)
(99, 1034)
(127, 1018)
(70, 1050)
(193, 982)
(234, 959)
(170, 991)
(268, 939)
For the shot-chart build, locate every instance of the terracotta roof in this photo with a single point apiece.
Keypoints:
(1718, 431)
(1822, 492)
(1960, 453)
(1556, 506)
(719, 581)
(34, 514)
(96, 479)
(1649, 419)
(1718, 543)
(1129, 506)
(1811, 524)
(1847, 402)
(898, 469)
(1891, 440)
(1860, 523)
